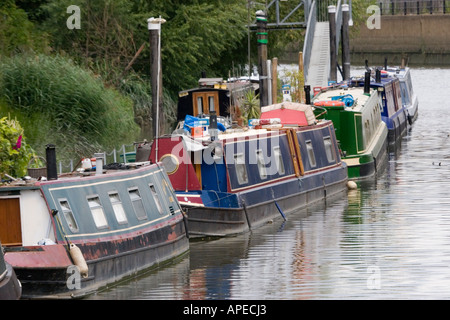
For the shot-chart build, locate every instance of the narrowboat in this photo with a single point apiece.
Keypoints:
(241, 178)
(10, 287)
(409, 97)
(69, 235)
(392, 112)
(360, 131)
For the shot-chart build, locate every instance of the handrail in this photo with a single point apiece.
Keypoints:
(307, 44)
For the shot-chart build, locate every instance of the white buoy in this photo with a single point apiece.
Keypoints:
(79, 260)
(351, 185)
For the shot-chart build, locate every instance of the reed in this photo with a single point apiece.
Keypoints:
(58, 102)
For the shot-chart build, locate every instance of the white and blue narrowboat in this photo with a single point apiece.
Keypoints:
(70, 235)
(393, 112)
(409, 98)
(245, 177)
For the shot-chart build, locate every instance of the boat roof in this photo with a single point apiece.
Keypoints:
(360, 98)
(290, 113)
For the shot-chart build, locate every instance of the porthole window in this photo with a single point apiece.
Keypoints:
(170, 163)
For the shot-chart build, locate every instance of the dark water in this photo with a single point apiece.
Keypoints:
(390, 239)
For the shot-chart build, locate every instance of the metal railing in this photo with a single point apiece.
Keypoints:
(115, 156)
(413, 7)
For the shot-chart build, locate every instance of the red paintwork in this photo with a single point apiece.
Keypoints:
(287, 116)
(174, 146)
(51, 256)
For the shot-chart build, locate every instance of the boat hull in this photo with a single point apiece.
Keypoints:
(204, 222)
(108, 263)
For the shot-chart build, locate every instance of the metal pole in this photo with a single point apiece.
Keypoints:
(154, 27)
(345, 42)
(333, 53)
(261, 22)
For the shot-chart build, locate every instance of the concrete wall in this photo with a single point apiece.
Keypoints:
(421, 39)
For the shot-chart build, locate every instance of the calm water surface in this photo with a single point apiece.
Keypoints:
(390, 239)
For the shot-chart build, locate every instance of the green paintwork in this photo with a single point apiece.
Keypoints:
(359, 128)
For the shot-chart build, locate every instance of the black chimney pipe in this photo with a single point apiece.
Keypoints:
(378, 75)
(50, 152)
(367, 82)
(307, 94)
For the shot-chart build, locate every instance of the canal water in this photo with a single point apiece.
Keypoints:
(389, 239)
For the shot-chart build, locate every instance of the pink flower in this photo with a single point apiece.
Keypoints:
(18, 143)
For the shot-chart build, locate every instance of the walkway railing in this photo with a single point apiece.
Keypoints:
(122, 155)
(414, 7)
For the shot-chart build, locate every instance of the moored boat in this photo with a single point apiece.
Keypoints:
(245, 177)
(362, 135)
(409, 97)
(392, 112)
(70, 235)
(10, 287)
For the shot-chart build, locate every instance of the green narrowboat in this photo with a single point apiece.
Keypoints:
(362, 135)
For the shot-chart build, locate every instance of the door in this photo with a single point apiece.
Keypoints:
(205, 102)
(10, 226)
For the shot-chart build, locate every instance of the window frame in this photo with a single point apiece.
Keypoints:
(329, 150)
(135, 201)
(155, 197)
(116, 204)
(311, 153)
(98, 214)
(69, 212)
(242, 178)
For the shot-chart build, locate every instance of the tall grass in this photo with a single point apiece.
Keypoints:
(58, 102)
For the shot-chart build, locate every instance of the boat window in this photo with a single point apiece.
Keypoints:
(241, 170)
(199, 105)
(278, 160)
(329, 149)
(311, 156)
(156, 198)
(68, 215)
(138, 205)
(119, 212)
(211, 104)
(261, 164)
(97, 212)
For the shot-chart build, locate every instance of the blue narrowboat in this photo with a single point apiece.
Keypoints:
(69, 235)
(245, 177)
(10, 287)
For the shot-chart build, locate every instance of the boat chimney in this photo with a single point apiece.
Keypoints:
(213, 125)
(50, 153)
(98, 163)
(378, 75)
(307, 94)
(385, 63)
(367, 82)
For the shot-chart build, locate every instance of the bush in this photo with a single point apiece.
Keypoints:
(14, 151)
